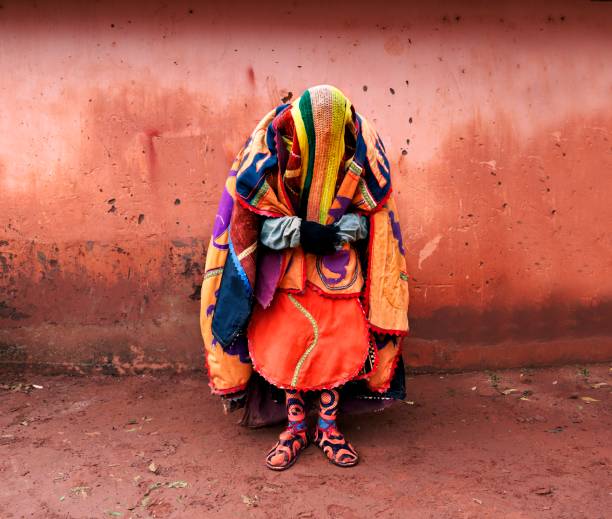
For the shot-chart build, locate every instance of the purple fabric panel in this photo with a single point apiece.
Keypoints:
(337, 264)
(222, 219)
(268, 275)
(337, 212)
(239, 347)
(397, 232)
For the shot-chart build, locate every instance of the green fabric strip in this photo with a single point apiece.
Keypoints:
(335, 154)
(262, 191)
(306, 111)
(366, 194)
(213, 272)
(355, 168)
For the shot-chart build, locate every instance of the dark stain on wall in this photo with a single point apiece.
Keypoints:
(557, 318)
(11, 353)
(251, 75)
(10, 312)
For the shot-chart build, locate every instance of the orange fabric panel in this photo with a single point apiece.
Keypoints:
(226, 373)
(293, 270)
(388, 283)
(307, 341)
(380, 378)
(347, 187)
(338, 275)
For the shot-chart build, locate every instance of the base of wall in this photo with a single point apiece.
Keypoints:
(175, 346)
(170, 346)
(430, 356)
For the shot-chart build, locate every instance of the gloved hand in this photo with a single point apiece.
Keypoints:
(318, 239)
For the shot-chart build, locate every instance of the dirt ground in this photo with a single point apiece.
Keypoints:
(511, 444)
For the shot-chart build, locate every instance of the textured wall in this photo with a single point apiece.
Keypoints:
(119, 121)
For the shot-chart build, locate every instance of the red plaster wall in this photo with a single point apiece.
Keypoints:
(119, 121)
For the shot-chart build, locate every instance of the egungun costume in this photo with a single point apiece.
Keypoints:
(305, 286)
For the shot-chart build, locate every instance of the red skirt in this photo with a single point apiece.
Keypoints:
(308, 341)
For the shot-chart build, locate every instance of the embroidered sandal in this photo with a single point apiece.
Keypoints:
(285, 453)
(335, 447)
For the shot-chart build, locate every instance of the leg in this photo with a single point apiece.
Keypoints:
(296, 412)
(331, 441)
(293, 439)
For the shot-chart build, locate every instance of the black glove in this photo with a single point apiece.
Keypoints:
(318, 239)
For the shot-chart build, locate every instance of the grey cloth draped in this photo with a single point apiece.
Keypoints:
(284, 232)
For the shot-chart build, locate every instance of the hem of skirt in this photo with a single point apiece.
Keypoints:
(330, 385)
(377, 329)
(228, 391)
(327, 385)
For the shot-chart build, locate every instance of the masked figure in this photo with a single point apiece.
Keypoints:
(305, 293)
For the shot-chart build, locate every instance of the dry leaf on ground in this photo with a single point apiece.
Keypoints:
(588, 399)
(177, 484)
(250, 501)
(543, 491)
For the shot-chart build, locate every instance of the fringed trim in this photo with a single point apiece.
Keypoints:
(229, 391)
(397, 333)
(291, 290)
(320, 291)
(255, 210)
(239, 268)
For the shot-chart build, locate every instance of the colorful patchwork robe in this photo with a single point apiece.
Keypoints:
(290, 166)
